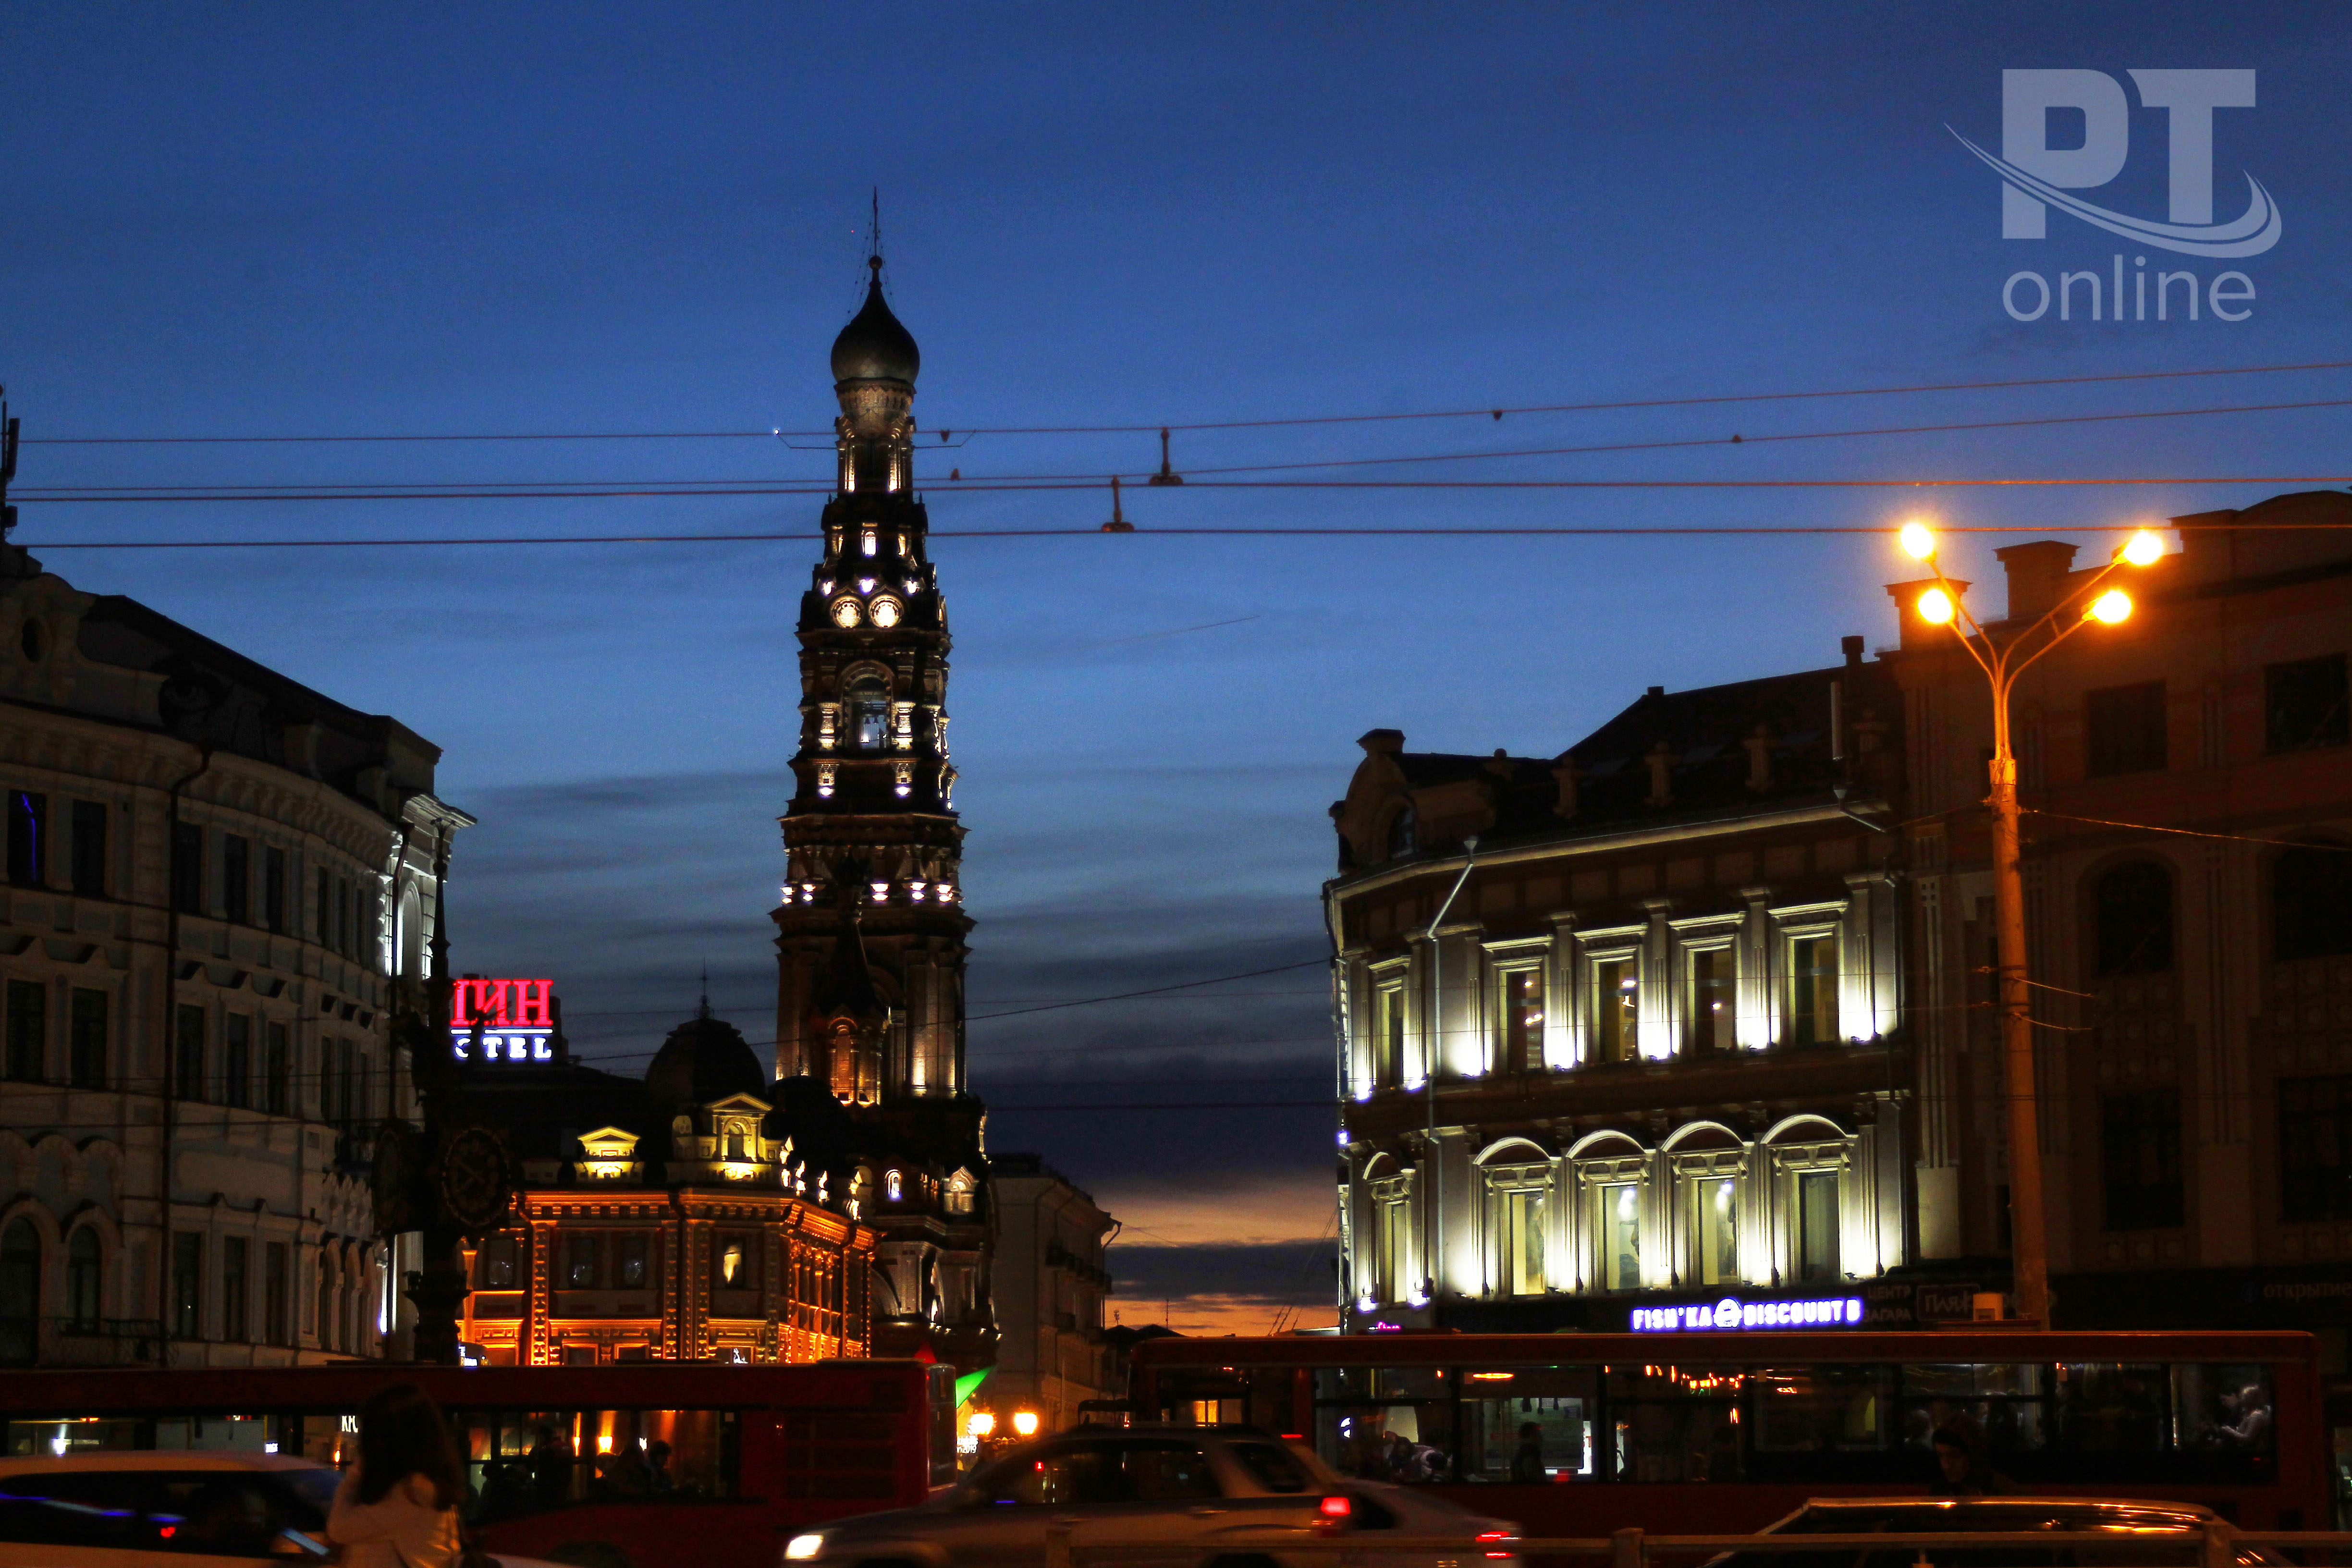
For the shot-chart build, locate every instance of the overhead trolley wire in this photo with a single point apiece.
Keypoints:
(1486, 412)
(487, 489)
(1540, 531)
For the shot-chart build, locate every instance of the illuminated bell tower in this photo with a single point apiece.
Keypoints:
(870, 936)
(870, 836)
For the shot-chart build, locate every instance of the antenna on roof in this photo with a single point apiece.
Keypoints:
(703, 1010)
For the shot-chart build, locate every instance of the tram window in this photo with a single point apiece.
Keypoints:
(1499, 1407)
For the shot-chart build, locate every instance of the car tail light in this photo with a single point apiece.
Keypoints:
(1493, 1538)
(1336, 1507)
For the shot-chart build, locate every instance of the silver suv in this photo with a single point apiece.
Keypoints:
(1166, 1497)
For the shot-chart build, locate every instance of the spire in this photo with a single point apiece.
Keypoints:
(702, 1009)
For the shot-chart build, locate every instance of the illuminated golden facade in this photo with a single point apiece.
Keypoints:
(691, 1224)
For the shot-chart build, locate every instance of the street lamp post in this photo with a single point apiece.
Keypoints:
(2002, 663)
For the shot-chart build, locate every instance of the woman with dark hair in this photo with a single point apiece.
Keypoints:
(398, 1507)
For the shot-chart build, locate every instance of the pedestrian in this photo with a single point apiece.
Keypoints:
(1966, 1472)
(1527, 1465)
(398, 1507)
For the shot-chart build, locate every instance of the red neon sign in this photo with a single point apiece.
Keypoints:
(503, 1005)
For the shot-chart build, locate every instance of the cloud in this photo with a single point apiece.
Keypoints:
(1287, 1208)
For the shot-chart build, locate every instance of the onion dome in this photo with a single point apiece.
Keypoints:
(874, 346)
(704, 1059)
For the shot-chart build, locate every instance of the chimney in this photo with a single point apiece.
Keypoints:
(2037, 576)
(1918, 632)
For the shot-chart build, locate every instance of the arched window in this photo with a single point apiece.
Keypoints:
(82, 1279)
(20, 1293)
(868, 699)
(2132, 906)
(893, 1187)
(2311, 903)
(1403, 835)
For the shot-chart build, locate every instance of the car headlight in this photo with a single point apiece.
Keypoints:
(800, 1548)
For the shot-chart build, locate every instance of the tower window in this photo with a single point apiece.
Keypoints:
(869, 702)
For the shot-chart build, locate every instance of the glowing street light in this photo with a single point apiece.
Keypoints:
(1024, 1423)
(981, 1422)
(2002, 662)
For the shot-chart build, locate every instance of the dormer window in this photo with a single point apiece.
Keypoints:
(1403, 838)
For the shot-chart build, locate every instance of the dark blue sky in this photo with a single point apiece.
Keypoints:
(282, 219)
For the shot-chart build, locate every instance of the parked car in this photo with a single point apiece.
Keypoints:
(2140, 1527)
(164, 1509)
(1186, 1494)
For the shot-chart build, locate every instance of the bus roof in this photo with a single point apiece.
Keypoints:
(1927, 1345)
(863, 1384)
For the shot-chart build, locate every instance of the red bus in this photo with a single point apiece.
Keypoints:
(651, 1466)
(1701, 1432)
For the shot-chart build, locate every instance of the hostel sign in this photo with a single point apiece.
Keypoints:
(502, 1020)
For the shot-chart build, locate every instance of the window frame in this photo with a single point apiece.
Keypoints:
(1602, 951)
(1391, 1021)
(1507, 961)
(1809, 923)
(1598, 1177)
(2329, 731)
(1709, 937)
(1506, 1186)
(1694, 1172)
(2117, 742)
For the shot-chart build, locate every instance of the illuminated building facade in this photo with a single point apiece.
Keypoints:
(1699, 1042)
(1050, 1283)
(870, 932)
(2187, 863)
(690, 1216)
(1642, 1044)
(221, 885)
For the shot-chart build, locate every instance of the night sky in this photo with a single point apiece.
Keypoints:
(296, 220)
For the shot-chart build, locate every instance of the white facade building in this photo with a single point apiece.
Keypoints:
(217, 882)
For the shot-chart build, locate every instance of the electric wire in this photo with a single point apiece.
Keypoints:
(257, 490)
(1532, 531)
(1488, 413)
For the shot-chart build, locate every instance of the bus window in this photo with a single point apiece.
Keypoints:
(2003, 1400)
(1530, 1425)
(1386, 1423)
(1822, 1409)
(519, 1462)
(1675, 1423)
(2225, 1408)
(2112, 1407)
